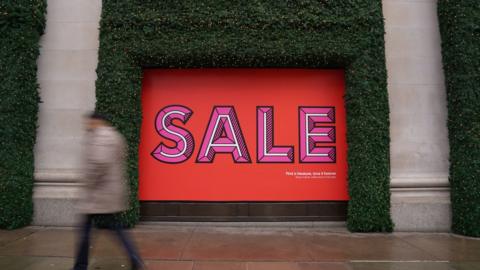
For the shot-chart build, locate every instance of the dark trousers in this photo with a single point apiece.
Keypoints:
(81, 261)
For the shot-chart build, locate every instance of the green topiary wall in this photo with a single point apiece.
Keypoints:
(269, 33)
(21, 24)
(460, 29)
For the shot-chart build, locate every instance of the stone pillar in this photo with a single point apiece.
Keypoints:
(66, 74)
(418, 116)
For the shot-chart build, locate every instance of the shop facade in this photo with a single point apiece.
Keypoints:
(418, 151)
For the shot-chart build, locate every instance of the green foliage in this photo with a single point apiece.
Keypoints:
(259, 33)
(21, 24)
(460, 29)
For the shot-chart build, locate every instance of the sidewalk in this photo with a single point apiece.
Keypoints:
(242, 248)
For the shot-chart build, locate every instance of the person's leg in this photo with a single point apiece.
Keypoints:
(129, 246)
(81, 260)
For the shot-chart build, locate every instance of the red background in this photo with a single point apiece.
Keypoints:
(223, 180)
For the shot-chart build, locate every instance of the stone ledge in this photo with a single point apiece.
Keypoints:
(419, 181)
(56, 177)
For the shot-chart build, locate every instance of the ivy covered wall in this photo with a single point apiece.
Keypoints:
(21, 25)
(460, 30)
(345, 34)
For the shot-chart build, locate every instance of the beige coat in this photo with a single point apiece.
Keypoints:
(106, 189)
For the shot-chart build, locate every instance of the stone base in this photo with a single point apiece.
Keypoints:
(421, 210)
(54, 204)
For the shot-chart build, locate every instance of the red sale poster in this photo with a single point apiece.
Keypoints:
(243, 135)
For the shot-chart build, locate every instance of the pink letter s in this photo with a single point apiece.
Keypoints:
(183, 139)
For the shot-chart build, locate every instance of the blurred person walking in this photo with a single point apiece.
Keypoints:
(106, 191)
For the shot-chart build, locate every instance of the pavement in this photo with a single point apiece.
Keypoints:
(179, 247)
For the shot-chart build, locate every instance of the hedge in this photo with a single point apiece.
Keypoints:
(345, 34)
(21, 24)
(460, 31)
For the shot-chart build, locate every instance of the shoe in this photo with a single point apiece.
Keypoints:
(139, 266)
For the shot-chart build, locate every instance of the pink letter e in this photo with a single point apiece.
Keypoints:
(311, 134)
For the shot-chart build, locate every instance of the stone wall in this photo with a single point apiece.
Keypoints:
(419, 145)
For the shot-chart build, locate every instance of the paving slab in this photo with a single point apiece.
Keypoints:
(44, 242)
(466, 265)
(167, 244)
(401, 266)
(220, 266)
(35, 263)
(446, 246)
(15, 263)
(244, 244)
(323, 266)
(344, 247)
(108, 264)
(273, 265)
(8, 236)
(169, 265)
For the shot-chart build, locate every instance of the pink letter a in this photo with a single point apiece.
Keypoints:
(223, 135)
